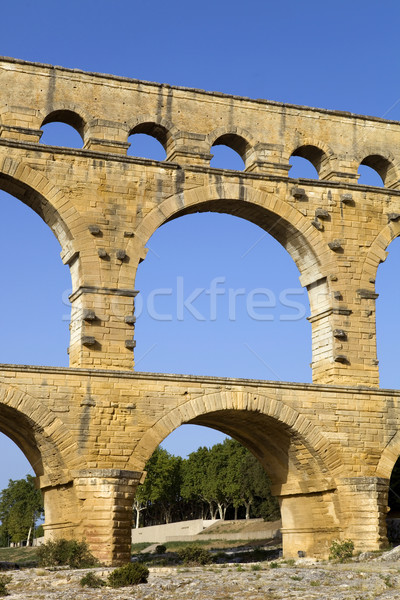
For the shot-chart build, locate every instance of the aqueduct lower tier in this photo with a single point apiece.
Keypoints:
(88, 430)
(329, 450)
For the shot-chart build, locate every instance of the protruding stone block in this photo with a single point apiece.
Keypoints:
(335, 245)
(88, 340)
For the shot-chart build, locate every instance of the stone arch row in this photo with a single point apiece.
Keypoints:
(58, 212)
(94, 135)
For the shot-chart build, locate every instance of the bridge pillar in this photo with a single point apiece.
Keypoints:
(364, 506)
(309, 523)
(61, 510)
(102, 325)
(106, 498)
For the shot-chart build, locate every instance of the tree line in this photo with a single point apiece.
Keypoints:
(225, 481)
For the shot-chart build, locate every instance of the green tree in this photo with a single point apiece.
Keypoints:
(160, 491)
(195, 488)
(21, 504)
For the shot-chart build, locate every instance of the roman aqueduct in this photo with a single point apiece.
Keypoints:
(89, 429)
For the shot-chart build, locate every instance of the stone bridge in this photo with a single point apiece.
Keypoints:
(88, 430)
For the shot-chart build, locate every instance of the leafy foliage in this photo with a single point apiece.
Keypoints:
(161, 488)
(160, 549)
(21, 504)
(195, 555)
(66, 552)
(130, 574)
(225, 479)
(340, 551)
(92, 580)
(4, 581)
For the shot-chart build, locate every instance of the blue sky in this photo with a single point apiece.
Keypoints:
(338, 55)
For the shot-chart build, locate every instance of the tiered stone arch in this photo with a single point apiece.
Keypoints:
(294, 231)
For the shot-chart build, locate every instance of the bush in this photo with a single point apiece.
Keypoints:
(4, 581)
(130, 574)
(341, 551)
(66, 552)
(160, 549)
(93, 581)
(195, 555)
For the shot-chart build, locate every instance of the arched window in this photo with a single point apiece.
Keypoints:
(229, 152)
(219, 296)
(306, 162)
(149, 140)
(63, 128)
(375, 170)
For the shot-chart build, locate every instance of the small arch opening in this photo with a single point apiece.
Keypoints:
(229, 152)
(374, 170)
(149, 140)
(306, 162)
(63, 128)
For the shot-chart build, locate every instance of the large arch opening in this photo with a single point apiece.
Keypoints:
(387, 323)
(219, 480)
(219, 296)
(292, 457)
(34, 314)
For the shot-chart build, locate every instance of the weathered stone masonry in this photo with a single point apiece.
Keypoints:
(88, 430)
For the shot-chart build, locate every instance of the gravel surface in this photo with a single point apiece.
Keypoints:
(305, 580)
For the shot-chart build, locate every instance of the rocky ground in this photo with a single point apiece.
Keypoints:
(368, 579)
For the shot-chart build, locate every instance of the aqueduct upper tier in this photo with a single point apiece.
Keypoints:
(103, 206)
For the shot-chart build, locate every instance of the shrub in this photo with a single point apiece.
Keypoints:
(66, 552)
(93, 581)
(160, 549)
(4, 581)
(341, 551)
(130, 574)
(195, 555)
